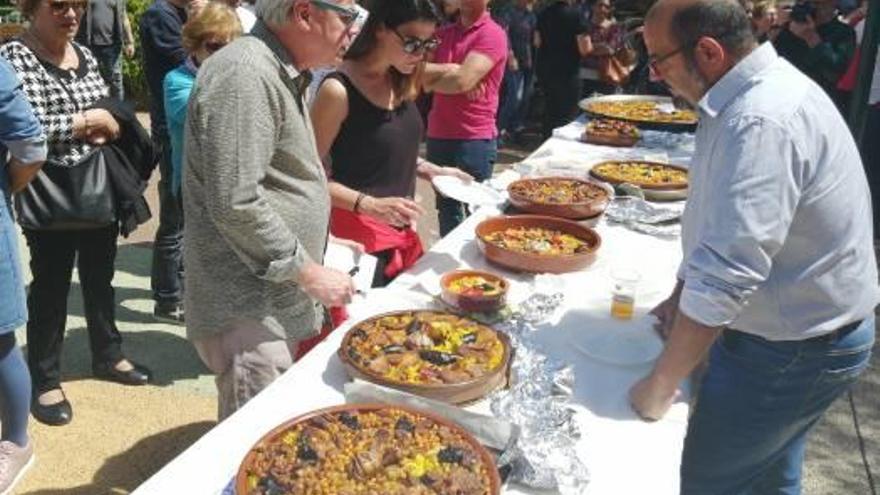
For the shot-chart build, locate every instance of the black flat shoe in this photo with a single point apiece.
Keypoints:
(138, 375)
(58, 414)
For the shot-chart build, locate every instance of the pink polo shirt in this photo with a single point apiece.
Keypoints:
(455, 116)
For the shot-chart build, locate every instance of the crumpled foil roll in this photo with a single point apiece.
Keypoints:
(634, 209)
(645, 217)
(538, 401)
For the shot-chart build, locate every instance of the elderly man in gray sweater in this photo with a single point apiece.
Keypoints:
(256, 200)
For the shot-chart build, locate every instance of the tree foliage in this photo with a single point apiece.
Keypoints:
(133, 68)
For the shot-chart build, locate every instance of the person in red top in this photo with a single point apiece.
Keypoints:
(465, 78)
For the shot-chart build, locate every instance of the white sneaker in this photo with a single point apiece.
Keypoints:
(14, 462)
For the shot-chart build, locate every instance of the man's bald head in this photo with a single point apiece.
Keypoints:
(686, 21)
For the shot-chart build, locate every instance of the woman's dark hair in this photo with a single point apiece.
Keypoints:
(391, 14)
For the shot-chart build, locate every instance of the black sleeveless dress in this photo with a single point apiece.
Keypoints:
(376, 150)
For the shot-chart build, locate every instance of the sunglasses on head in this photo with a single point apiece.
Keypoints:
(62, 6)
(413, 45)
(346, 14)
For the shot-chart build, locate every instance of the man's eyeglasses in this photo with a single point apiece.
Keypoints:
(654, 61)
(416, 45)
(63, 6)
(348, 15)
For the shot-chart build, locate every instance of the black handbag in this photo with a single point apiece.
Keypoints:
(68, 198)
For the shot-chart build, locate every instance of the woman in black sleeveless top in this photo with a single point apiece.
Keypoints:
(368, 130)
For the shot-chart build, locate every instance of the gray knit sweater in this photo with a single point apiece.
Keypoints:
(254, 192)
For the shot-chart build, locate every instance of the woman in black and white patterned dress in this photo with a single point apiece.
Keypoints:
(61, 80)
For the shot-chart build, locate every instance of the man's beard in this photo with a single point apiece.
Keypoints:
(702, 83)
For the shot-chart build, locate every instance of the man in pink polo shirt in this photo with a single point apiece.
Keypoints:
(465, 78)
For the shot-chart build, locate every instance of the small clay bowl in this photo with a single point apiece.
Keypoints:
(473, 303)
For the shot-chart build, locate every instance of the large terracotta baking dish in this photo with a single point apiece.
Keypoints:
(571, 210)
(537, 263)
(454, 393)
(241, 479)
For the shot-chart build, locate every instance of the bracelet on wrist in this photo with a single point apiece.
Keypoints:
(357, 202)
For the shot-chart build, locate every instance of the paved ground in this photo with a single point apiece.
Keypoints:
(121, 435)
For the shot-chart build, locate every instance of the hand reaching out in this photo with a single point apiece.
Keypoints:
(651, 399)
(330, 287)
(453, 172)
(395, 211)
(665, 313)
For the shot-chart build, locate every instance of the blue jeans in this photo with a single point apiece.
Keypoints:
(757, 404)
(474, 156)
(167, 270)
(110, 66)
(515, 97)
(13, 311)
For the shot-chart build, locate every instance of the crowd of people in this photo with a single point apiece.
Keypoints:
(257, 178)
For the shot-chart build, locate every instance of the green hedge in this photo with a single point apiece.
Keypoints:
(133, 68)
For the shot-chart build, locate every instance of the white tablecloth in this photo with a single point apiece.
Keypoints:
(624, 455)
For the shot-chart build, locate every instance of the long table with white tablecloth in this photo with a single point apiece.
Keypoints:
(623, 454)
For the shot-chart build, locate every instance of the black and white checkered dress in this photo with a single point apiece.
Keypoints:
(44, 85)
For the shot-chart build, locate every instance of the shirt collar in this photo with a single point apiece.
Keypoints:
(190, 65)
(300, 79)
(731, 84)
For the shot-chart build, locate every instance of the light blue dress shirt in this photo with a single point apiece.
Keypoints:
(777, 232)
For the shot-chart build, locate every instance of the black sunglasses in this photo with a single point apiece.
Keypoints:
(63, 6)
(415, 45)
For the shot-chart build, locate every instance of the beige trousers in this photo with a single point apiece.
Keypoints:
(246, 357)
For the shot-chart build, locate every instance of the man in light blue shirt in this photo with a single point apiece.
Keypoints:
(778, 277)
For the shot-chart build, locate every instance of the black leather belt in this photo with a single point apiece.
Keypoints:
(837, 334)
(831, 336)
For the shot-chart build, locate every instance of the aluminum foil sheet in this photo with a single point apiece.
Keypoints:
(646, 217)
(538, 401)
(670, 141)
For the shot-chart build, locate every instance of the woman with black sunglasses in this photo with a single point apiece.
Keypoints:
(212, 28)
(368, 129)
(61, 80)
